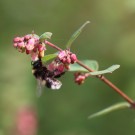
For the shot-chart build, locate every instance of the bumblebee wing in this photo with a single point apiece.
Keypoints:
(40, 86)
(53, 84)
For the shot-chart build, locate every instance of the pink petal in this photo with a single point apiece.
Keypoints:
(34, 56)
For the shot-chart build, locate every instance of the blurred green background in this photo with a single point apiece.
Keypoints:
(109, 39)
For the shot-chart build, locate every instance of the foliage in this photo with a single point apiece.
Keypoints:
(109, 39)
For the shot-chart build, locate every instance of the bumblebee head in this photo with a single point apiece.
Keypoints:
(36, 64)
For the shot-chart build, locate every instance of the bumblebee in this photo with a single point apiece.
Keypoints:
(44, 76)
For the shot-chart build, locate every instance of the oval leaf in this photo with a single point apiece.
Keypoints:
(90, 63)
(118, 106)
(76, 34)
(108, 70)
(46, 35)
(49, 57)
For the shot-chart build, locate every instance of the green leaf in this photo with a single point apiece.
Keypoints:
(108, 70)
(49, 57)
(76, 34)
(118, 106)
(90, 63)
(46, 35)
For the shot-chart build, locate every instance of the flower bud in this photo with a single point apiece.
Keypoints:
(68, 60)
(34, 56)
(67, 57)
(62, 54)
(73, 58)
(41, 47)
(28, 51)
(15, 45)
(41, 54)
(18, 39)
(61, 68)
(30, 47)
(79, 78)
(31, 41)
(27, 37)
(21, 44)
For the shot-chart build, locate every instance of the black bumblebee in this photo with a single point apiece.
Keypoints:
(44, 76)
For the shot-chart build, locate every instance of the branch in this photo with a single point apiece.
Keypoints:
(101, 77)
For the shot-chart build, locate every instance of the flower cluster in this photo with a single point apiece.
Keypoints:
(79, 78)
(57, 67)
(67, 57)
(31, 45)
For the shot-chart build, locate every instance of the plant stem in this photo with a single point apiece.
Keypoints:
(53, 46)
(110, 84)
(101, 77)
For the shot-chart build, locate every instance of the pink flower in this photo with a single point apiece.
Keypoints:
(18, 42)
(79, 78)
(62, 54)
(18, 39)
(31, 41)
(15, 45)
(66, 57)
(73, 58)
(34, 56)
(68, 60)
(27, 37)
(61, 68)
(41, 47)
(21, 44)
(26, 123)
(29, 47)
(28, 51)
(56, 67)
(30, 44)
